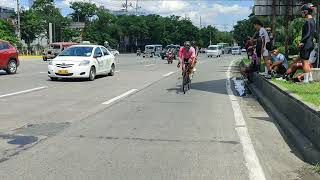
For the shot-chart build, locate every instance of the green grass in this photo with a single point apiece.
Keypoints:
(308, 92)
(317, 168)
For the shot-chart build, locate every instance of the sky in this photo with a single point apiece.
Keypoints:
(222, 14)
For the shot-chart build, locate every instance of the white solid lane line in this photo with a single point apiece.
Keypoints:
(23, 92)
(250, 156)
(120, 96)
(168, 74)
(43, 72)
(149, 65)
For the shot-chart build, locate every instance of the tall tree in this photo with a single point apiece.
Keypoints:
(47, 11)
(7, 31)
(83, 11)
(31, 26)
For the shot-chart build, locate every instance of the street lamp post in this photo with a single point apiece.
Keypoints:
(18, 14)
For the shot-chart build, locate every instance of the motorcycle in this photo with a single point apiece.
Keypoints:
(138, 52)
(170, 57)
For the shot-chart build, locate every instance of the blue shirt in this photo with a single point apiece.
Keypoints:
(280, 57)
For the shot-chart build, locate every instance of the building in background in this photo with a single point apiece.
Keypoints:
(6, 12)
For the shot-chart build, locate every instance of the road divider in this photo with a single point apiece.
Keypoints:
(120, 96)
(24, 91)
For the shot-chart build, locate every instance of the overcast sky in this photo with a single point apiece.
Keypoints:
(220, 13)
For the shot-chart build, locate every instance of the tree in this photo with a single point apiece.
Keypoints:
(31, 26)
(47, 11)
(83, 11)
(7, 31)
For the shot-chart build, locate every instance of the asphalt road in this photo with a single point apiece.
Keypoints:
(139, 125)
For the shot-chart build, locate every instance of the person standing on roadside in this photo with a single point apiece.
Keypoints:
(306, 44)
(258, 46)
(266, 46)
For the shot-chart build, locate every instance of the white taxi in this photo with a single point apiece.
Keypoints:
(82, 61)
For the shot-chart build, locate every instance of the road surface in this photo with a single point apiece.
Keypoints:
(139, 125)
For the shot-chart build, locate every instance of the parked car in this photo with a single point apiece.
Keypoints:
(243, 50)
(214, 50)
(82, 61)
(9, 57)
(163, 54)
(236, 50)
(55, 49)
(152, 50)
(114, 52)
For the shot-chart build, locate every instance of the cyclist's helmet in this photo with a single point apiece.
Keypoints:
(307, 8)
(187, 44)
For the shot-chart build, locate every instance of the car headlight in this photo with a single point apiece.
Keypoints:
(84, 63)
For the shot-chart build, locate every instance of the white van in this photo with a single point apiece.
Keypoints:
(236, 50)
(214, 50)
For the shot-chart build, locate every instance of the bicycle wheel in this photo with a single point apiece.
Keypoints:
(184, 84)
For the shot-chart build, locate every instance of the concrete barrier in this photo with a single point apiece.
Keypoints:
(300, 121)
(316, 74)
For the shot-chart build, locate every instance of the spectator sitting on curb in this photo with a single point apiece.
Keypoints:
(279, 64)
(297, 64)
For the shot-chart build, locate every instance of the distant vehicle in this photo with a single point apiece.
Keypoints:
(152, 50)
(223, 47)
(55, 49)
(82, 61)
(203, 50)
(114, 52)
(243, 50)
(214, 50)
(163, 53)
(236, 50)
(9, 60)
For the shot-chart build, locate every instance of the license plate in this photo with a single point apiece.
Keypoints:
(63, 72)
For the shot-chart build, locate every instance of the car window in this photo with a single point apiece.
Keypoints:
(105, 52)
(77, 51)
(6, 46)
(97, 51)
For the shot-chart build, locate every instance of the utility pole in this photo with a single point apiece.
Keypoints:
(210, 38)
(18, 14)
(318, 27)
(200, 23)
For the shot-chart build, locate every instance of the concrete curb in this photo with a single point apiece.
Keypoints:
(299, 121)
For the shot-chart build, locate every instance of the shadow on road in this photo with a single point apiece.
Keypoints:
(213, 86)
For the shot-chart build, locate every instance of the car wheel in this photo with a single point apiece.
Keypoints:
(54, 79)
(45, 59)
(111, 73)
(12, 67)
(92, 74)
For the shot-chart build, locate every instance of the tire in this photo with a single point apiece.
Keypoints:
(112, 71)
(92, 74)
(54, 79)
(12, 67)
(45, 59)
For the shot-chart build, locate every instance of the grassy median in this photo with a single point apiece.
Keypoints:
(308, 92)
